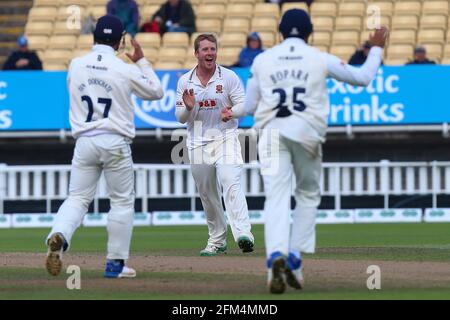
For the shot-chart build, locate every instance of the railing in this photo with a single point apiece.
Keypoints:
(384, 178)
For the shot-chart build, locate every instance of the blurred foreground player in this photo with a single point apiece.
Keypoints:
(102, 121)
(287, 94)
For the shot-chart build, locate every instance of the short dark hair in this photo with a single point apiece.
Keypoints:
(204, 36)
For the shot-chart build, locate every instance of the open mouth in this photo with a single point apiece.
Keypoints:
(209, 59)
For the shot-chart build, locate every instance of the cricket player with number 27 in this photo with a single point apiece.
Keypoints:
(287, 93)
(102, 121)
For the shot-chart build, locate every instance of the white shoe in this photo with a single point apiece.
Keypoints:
(127, 272)
(213, 250)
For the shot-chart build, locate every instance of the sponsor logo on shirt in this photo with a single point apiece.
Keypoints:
(219, 88)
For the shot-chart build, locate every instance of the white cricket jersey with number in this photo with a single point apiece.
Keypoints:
(100, 86)
(224, 89)
(287, 89)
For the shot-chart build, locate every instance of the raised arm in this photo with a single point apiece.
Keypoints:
(360, 76)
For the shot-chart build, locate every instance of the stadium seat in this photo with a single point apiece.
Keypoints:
(386, 7)
(407, 7)
(348, 23)
(39, 28)
(97, 11)
(322, 48)
(321, 38)
(79, 53)
(239, 10)
(324, 9)
(446, 51)
(228, 56)
(54, 66)
(168, 65)
(434, 51)
(57, 56)
(405, 22)
(404, 51)
(210, 11)
(85, 41)
(209, 25)
(345, 37)
(233, 39)
(352, 9)
(343, 52)
(433, 22)
(402, 37)
(101, 2)
(175, 39)
(395, 61)
(293, 5)
(268, 39)
(265, 24)
(266, 10)
(65, 27)
(64, 13)
(445, 61)
(42, 14)
(62, 42)
(431, 36)
(38, 42)
(46, 3)
(81, 3)
(172, 54)
(189, 64)
(371, 22)
(236, 25)
(224, 2)
(148, 39)
(151, 54)
(435, 7)
(322, 23)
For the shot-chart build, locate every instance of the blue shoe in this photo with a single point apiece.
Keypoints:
(118, 269)
(277, 266)
(293, 272)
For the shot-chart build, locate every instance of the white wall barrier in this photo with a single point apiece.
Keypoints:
(155, 181)
(168, 218)
(437, 215)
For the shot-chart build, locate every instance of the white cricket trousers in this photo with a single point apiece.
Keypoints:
(111, 154)
(280, 158)
(217, 166)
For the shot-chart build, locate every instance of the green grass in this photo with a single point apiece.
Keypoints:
(406, 242)
(391, 242)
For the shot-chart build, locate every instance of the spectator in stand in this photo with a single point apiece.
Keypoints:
(128, 12)
(175, 16)
(420, 57)
(253, 48)
(24, 58)
(280, 2)
(360, 55)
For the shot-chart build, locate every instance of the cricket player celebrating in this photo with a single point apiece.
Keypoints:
(214, 149)
(102, 121)
(287, 93)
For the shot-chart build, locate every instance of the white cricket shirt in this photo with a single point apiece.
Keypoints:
(287, 89)
(100, 87)
(204, 122)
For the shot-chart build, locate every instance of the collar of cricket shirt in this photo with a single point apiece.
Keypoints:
(103, 48)
(292, 40)
(218, 73)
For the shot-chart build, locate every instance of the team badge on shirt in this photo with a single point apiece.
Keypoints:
(219, 88)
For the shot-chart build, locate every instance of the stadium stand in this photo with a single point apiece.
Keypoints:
(339, 25)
